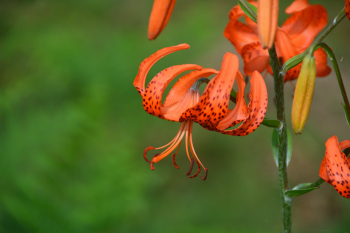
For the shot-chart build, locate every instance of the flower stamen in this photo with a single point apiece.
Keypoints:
(174, 143)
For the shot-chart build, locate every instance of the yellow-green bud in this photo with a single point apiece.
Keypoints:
(303, 93)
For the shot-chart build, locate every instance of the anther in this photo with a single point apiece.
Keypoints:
(191, 167)
(152, 163)
(198, 171)
(173, 156)
(145, 153)
(206, 174)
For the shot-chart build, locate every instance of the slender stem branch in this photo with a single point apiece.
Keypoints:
(335, 22)
(282, 141)
(331, 55)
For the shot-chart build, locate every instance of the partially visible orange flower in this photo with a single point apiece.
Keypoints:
(160, 16)
(293, 38)
(184, 102)
(347, 8)
(335, 167)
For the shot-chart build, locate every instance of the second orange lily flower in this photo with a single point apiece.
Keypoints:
(293, 38)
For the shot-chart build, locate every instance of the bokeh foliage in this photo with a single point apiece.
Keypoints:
(72, 128)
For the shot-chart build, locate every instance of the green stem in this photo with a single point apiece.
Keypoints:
(282, 141)
(331, 55)
(335, 22)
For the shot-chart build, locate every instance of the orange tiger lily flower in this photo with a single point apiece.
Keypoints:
(347, 8)
(160, 16)
(292, 38)
(335, 167)
(185, 104)
(184, 94)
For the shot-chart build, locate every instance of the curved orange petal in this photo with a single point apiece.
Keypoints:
(235, 13)
(145, 66)
(255, 58)
(240, 112)
(347, 8)
(185, 83)
(297, 5)
(284, 45)
(344, 144)
(337, 167)
(237, 32)
(322, 69)
(257, 107)
(160, 16)
(213, 104)
(152, 98)
(303, 26)
(180, 97)
(286, 50)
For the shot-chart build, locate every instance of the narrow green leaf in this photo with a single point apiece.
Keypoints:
(294, 61)
(346, 114)
(271, 123)
(247, 11)
(300, 190)
(274, 144)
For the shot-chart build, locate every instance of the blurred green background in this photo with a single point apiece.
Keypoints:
(73, 130)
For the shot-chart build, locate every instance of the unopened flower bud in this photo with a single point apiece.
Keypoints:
(303, 93)
(267, 21)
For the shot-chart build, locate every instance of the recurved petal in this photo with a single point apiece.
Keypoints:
(284, 45)
(184, 84)
(337, 167)
(235, 13)
(160, 16)
(297, 5)
(213, 104)
(152, 98)
(323, 173)
(303, 26)
(255, 58)
(257, 107)
(286, 50)
(146, 65)
(240, 112)
(240, 34)
(181, 96)
(322, 69)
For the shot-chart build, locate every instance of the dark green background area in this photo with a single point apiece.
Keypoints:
(73, 130)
